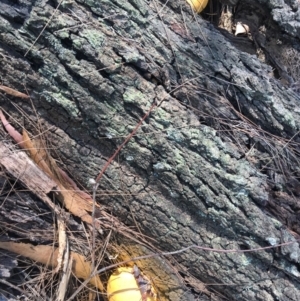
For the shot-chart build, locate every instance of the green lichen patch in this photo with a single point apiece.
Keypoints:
(94, 37)
(61, 100)
(135, 97)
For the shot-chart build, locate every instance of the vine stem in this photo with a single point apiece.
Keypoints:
(124, 142)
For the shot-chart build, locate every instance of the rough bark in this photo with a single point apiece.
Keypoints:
(216, 164)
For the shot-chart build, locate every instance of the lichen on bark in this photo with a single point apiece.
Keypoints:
(205, 167)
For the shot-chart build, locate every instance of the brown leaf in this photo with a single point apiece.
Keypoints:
(36, 155)
(48, 255)
(13, 92)
(78, 204)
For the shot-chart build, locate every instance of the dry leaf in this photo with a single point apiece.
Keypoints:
(36, 155)
(13, 92)
(79, 204)
(48, 255)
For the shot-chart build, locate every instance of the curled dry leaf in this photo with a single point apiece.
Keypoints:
(47, 255)
(13, 92)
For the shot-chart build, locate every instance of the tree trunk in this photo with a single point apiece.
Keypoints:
(216, 163)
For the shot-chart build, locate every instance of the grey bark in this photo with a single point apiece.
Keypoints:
(216, 164)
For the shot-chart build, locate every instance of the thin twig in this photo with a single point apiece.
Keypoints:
(50, 19)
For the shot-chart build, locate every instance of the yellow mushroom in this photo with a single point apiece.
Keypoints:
(198, 5)
(123, 286)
